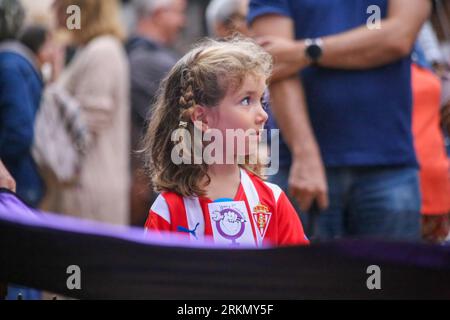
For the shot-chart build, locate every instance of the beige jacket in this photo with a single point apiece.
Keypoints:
(98, 77)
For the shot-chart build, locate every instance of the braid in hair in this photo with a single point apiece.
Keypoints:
(187, 99)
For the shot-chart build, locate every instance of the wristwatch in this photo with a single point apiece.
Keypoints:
(313, 50)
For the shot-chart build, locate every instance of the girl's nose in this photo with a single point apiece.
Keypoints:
(262, 116)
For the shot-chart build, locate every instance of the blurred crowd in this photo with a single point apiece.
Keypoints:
(365, 128)
(364, 121)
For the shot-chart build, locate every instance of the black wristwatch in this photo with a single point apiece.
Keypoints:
(313, 50)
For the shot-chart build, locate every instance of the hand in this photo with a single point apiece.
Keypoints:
(445, 117)
(285, 51)
(307, 181)
(282, 71)
(6, 180)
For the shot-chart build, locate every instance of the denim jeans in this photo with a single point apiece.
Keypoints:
(365, 202)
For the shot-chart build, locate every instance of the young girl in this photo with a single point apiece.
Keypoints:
(216, 86)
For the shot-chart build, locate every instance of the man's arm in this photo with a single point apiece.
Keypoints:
(307, 180)
(361, 48)
(365, 48)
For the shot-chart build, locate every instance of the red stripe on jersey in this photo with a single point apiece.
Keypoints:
(289, 224)
(155, 222)
(204, 205)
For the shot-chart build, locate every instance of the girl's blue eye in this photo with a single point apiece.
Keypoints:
(264, 104)
(245, 101)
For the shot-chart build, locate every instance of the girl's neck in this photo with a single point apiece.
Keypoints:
(225, 181)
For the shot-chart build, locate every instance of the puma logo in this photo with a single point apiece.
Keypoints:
(183, 229)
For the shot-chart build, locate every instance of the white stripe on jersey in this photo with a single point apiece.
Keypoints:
(276, 190)
(194, 215)
(161, 209)
(252, 198)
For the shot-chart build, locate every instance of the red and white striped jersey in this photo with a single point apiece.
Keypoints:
(260, 214)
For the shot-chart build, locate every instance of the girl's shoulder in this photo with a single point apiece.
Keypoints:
(165, 203)
(264, 188)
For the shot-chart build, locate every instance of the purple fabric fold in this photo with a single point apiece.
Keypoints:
(14, 210)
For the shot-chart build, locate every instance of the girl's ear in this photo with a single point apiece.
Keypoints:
(199, 117)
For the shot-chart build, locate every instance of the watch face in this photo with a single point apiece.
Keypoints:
(314, 51)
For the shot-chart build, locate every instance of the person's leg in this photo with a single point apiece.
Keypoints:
(330, 223)
(385, 203)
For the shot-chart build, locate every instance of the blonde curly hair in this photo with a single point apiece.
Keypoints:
(203, 76)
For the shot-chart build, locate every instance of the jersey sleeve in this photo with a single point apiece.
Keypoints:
(289, 225)
(159, 216)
